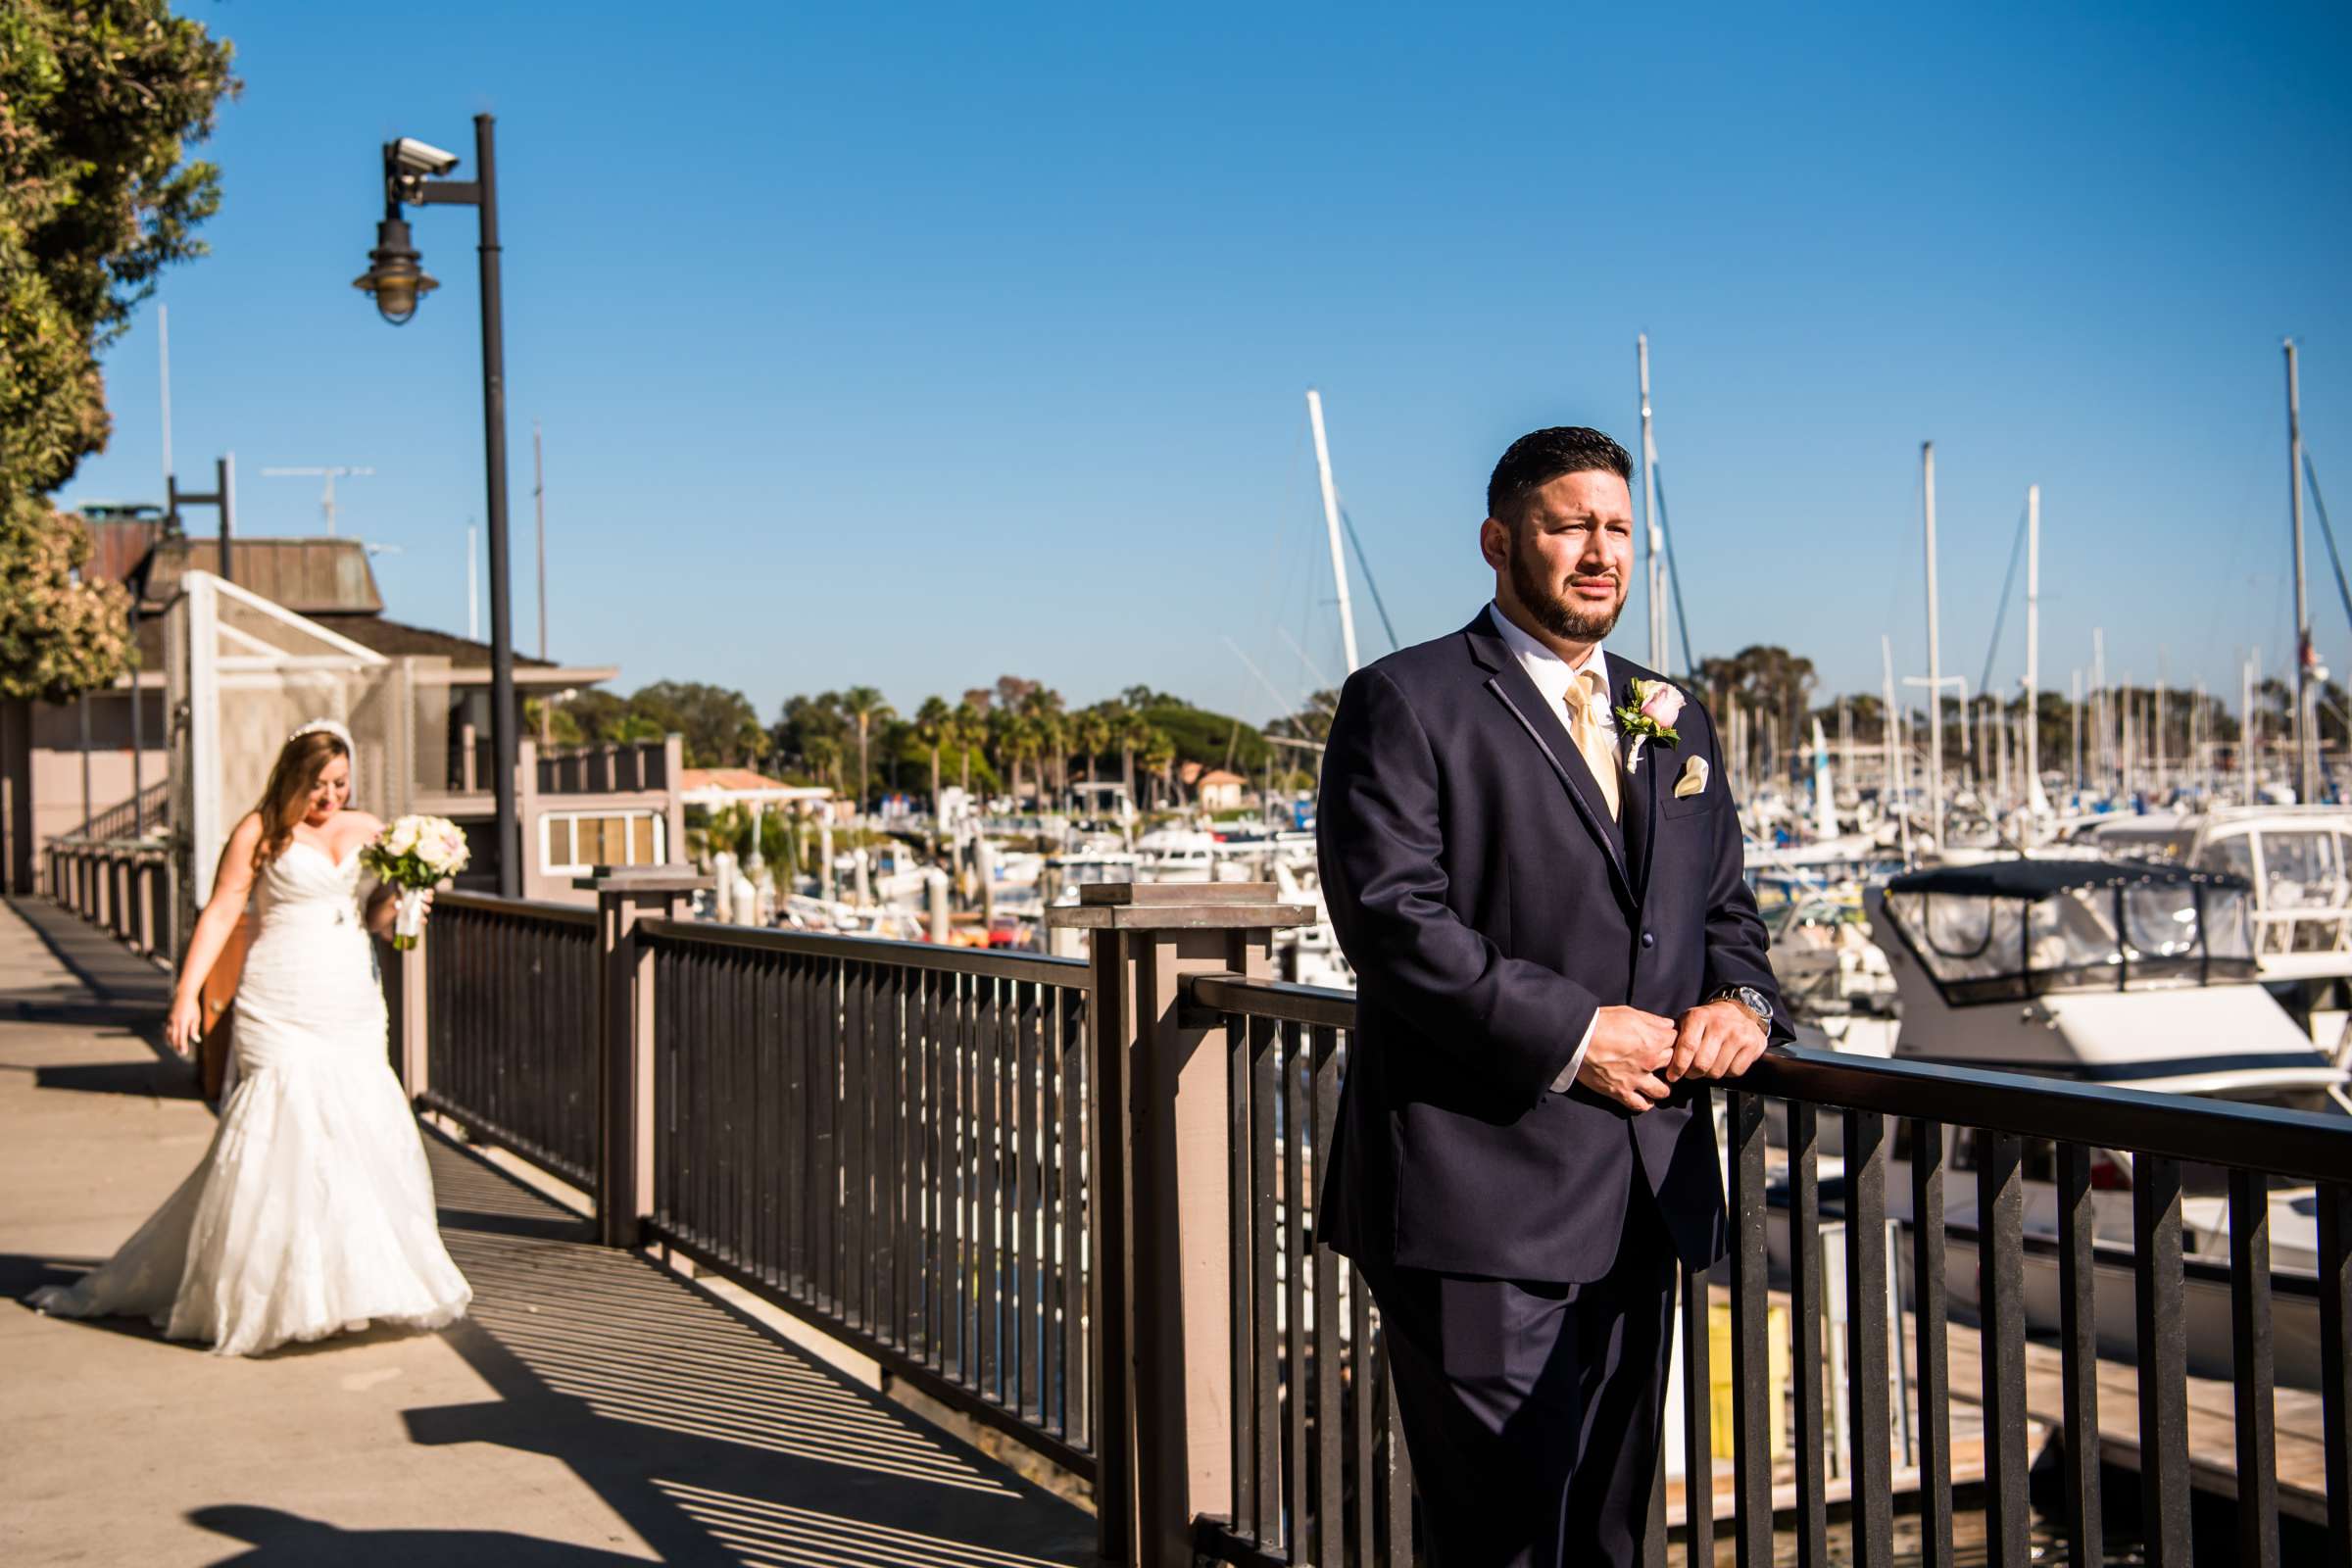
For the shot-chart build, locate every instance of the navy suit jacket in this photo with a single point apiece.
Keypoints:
(1490, 906)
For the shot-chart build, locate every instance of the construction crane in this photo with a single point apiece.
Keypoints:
(326, 499)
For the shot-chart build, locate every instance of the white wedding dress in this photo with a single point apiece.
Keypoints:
(313, 1211)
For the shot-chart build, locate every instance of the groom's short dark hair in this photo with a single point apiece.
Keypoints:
(1540, 456)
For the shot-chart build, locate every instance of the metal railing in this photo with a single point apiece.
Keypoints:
(1320, 1473)
(894, 1142)
(613, 769)
(129, 887)
(513, 1048)
(889, 1140)
(1312, 1488)
(130, 817)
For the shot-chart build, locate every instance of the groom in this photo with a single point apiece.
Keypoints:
(1555, 951)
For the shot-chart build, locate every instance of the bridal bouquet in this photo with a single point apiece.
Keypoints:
(414, 854)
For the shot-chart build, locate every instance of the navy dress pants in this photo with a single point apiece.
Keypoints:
(1532, 1411)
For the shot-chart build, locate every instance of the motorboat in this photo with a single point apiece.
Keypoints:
(1832, 975)
(2134, 974)
(1066, 875)
(2107, 971)
(1176, 854)
(2297, 859)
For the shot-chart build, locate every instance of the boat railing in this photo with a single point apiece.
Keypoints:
(2284, 933)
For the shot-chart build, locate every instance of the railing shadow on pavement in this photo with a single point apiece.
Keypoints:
(712, 1437)
(278, 1539)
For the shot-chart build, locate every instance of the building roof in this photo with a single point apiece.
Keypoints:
(727, 778)
(729, 786)
(396, 639)
(326, 581)
(1217, 776)
(314, 577)
(391, 638)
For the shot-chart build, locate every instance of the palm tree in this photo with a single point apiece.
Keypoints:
(1044, 708)
(824, 754)
(867, 707)
(1159, 755)
(1134, 731)
(968, 730)
(933, 723)
(1000, 726)
(1089, 731)
(1025, 741)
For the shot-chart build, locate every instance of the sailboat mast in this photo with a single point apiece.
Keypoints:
(2102, 741)
(2306, 754)
(2033, 798)
(1652, 530)
(2075, 735)
(1331, 525)
(1890, 740)
(1927, 459)
(2245, 734)
(539, 502)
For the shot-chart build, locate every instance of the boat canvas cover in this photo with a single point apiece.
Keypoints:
(2039, 879)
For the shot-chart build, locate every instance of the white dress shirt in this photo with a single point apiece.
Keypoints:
(1554, 676)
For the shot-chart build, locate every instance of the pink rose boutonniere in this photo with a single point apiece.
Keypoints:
(1648, 717)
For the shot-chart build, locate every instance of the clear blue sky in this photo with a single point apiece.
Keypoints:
(915, 346)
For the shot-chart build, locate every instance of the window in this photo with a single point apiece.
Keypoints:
(2072, 939)
(2301, 869)
(572, 842)
(2234, 854)
(2229, 930)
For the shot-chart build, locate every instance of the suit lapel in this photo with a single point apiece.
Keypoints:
(1511, 687)
(1640, 793)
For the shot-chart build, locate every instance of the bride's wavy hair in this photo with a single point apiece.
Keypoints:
(287, 800)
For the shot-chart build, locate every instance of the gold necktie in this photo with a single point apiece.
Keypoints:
(1586, 703)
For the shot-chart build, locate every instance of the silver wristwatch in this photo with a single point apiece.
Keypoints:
(1754, 1001)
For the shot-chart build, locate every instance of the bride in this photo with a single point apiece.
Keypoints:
(313, 1210)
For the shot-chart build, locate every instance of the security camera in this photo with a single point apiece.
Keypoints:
(422, 158)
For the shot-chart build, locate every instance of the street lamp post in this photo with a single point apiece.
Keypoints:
(416, 174)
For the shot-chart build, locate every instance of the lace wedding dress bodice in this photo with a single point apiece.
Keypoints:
(313, 1210)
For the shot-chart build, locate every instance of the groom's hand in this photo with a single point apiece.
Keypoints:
(1716, 1040)
(1629, 1048)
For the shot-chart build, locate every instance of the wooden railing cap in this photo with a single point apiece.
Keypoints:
(644, 879)
(1163, 893)
(1178, 906)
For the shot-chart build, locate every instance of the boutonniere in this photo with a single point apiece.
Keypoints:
(1649, 716)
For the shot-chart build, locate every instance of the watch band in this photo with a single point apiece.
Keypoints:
(1741, 995)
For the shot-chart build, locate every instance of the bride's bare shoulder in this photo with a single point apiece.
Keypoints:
(362, 824)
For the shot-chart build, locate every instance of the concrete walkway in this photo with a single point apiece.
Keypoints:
(594, 1410)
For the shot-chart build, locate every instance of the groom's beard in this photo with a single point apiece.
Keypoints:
(1557, 616)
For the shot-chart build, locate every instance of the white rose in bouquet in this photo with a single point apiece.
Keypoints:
(414, 854)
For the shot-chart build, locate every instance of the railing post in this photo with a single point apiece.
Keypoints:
(624, 1180)
(415, 1018)
(142, 891)
(1161, 1213)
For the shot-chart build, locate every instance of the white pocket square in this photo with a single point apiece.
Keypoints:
(1693, 779)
